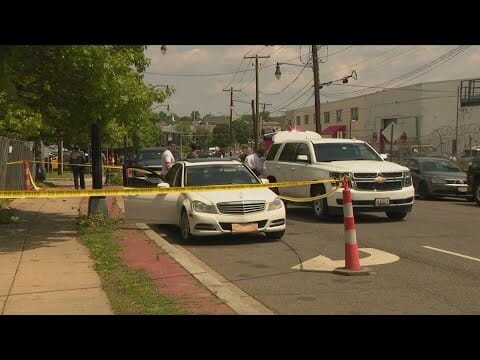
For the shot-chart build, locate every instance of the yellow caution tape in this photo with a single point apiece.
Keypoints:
(295, 199)
(64, 164)
(142, 191)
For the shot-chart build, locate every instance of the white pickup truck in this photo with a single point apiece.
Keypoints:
(377, 185)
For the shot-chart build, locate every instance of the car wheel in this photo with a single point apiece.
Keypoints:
(476, 192)
(185, 227)
(396, 215)
(277, 235)
(320, 207)
(423, 191)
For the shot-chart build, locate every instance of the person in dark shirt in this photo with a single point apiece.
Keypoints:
(77, 161)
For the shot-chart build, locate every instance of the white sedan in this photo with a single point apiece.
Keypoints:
(207, 213)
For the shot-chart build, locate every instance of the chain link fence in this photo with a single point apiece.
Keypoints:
(12, 176)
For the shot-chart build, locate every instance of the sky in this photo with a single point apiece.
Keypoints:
(201, 73)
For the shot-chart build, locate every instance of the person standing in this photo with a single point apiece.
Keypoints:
(255, 161)
(195, 152)
(77, 161)
(167, 158)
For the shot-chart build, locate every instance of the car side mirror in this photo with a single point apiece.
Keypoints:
(264, 181)
(163, 185)
(303, 158)
(384, 156)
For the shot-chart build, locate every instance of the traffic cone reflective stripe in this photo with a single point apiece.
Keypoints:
(352, 259)
(27, 175)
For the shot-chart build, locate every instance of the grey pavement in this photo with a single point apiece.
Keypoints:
(44, 269)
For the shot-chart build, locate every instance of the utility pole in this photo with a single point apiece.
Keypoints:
(263, 114)
(231, 116)
(254, 123)
(255, 129)
(454, 152)
(316, 87)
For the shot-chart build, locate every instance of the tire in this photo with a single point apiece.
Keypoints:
(320, 207)
(423, 191)
(476, 192)
(396, 215)
(185, 227)
(277, 235)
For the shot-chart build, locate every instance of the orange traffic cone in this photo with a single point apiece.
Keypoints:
(352, 259)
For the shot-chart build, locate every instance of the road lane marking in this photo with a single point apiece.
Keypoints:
(323, 263)
(452, 253)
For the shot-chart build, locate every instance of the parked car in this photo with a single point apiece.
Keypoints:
(436, 177)
(377, 185)
(473, 178)
(138, 176)
(150, 158)
(205, 213)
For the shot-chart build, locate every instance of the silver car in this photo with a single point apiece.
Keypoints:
(436, 177)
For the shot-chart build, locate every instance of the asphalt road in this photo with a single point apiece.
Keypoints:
(438, 271)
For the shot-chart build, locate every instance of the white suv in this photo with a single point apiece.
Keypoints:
(377, 185)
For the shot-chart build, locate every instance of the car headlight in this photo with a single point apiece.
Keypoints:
(436, 180)
(275, 204)
(202, 207)
(407, 178)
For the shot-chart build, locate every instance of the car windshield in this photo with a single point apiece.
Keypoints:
(439, 165)
(145, 155)
(345, 152)
(219, 174)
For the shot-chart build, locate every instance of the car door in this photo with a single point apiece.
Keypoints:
(153, 208)
(300, 170)
(169, 205)
(285, 168)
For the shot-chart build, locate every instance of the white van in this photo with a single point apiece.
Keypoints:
(377, 185)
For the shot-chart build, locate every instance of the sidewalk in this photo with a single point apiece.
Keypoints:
(46, 270)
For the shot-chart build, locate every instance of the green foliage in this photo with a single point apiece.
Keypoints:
(67, 88)
(7, 218)
(221, 135)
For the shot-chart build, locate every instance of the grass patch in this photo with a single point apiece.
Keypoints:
(130, 291)
(6, 216)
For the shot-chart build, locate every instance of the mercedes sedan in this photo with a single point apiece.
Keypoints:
(206, 213)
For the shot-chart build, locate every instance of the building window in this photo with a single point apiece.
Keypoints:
(298, 120)
(305, 119)
(339, 115)
(354, 114)
(326, 117)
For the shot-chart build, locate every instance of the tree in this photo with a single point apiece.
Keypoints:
(203, 137)
(221, 135)
(196, 116)
(241, 131)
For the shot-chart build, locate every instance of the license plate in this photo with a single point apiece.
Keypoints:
(382, 201)
(238, 228)
(462, 189)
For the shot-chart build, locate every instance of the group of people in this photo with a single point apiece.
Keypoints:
(254, 160)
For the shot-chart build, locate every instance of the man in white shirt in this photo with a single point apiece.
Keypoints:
(255, 161)
(167, 158)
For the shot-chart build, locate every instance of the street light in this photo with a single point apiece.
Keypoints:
(157, 106)
(160, 85)
(317, 86)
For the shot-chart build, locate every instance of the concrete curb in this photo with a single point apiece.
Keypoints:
(233, 296)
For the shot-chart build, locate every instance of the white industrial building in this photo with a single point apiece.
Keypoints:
(431, 114)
